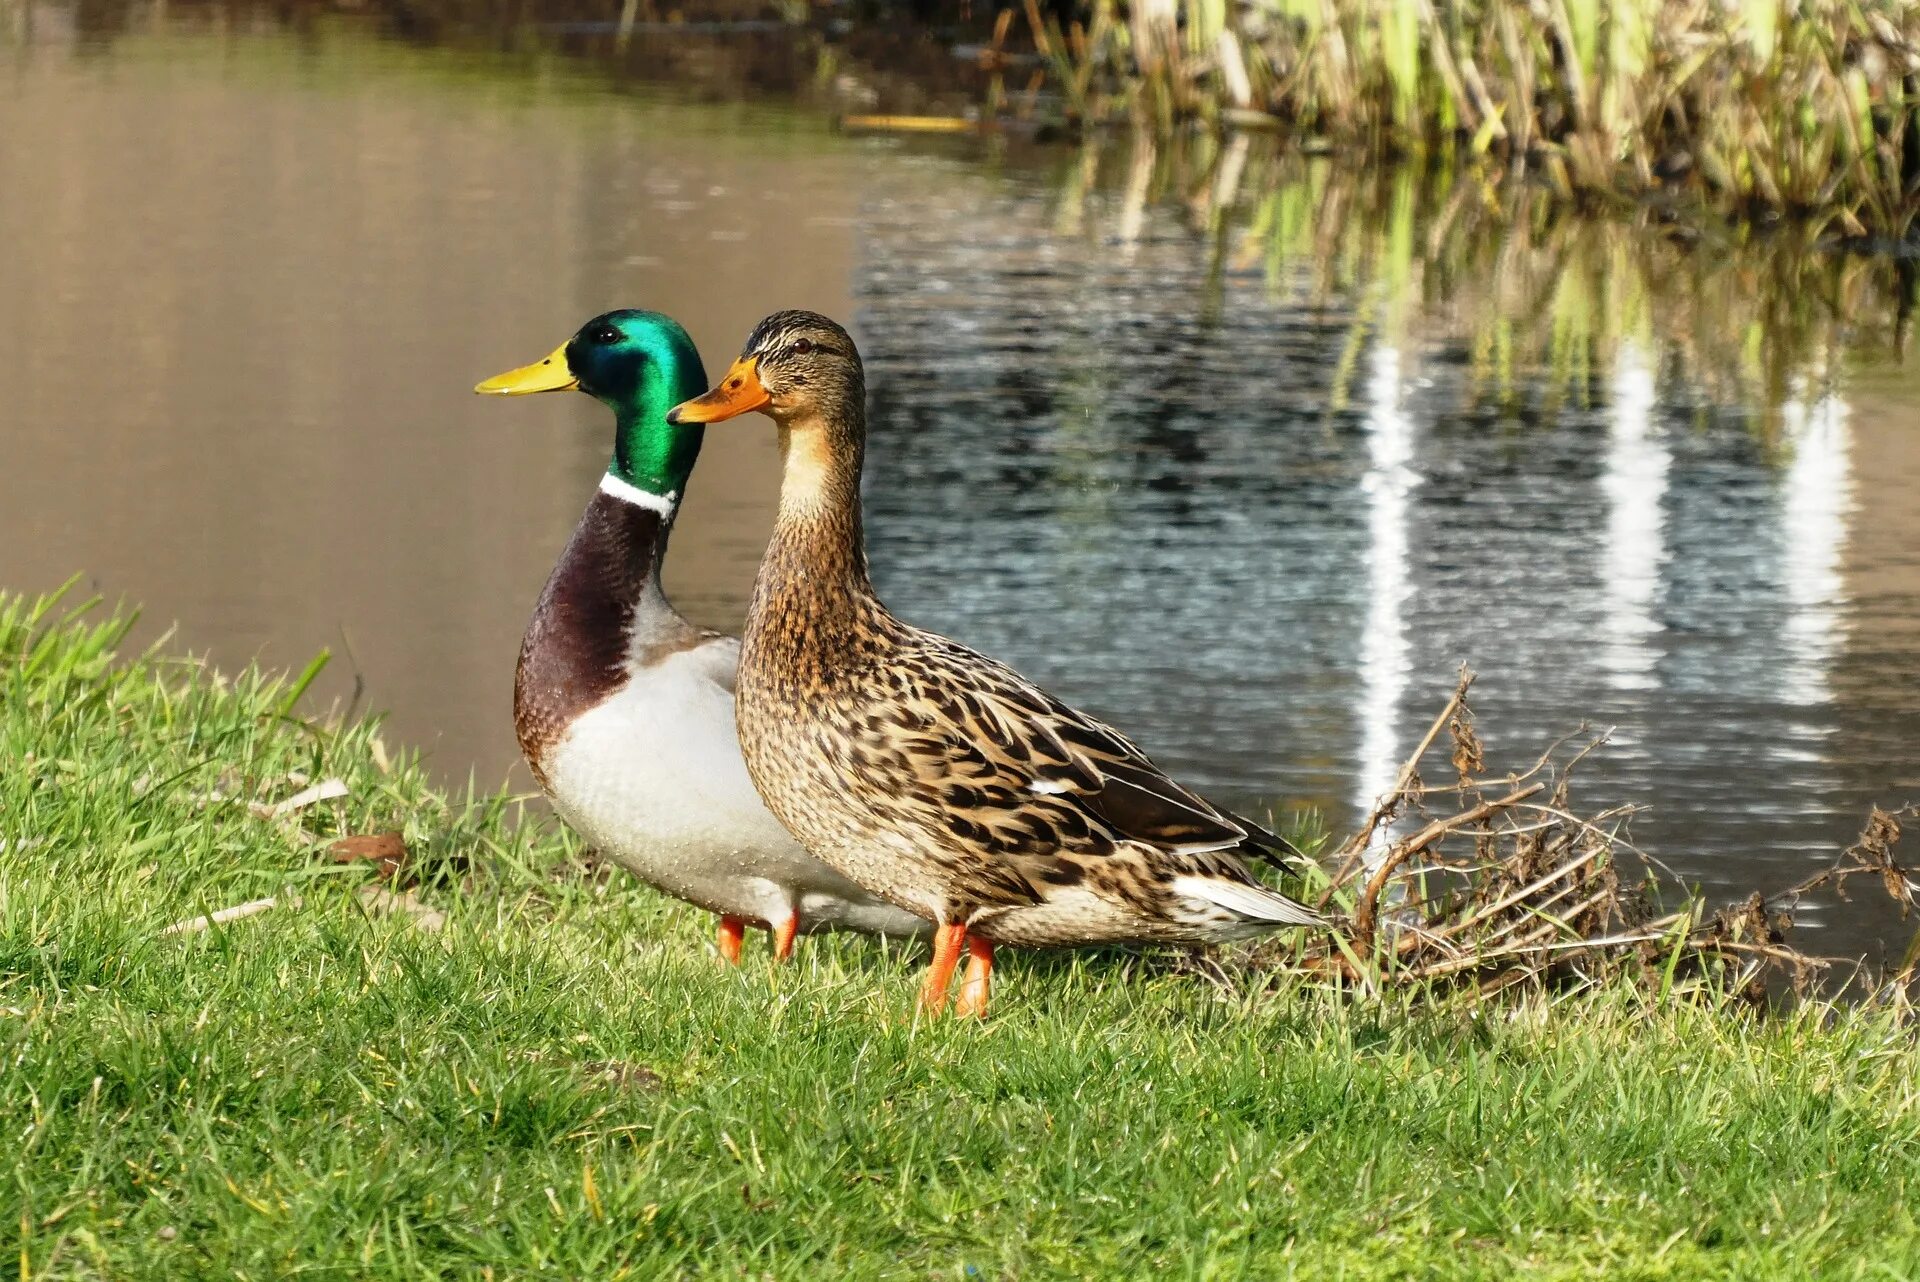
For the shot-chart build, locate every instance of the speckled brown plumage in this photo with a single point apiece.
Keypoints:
(930, 773)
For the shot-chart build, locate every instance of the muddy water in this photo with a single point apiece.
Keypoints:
(1248, 474)
(244, 314)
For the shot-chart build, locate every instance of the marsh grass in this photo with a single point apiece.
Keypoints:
(1809, 108)
(1530, 299)
(563, 1083)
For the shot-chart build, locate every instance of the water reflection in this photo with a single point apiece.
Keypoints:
(1816, 492)
(1384, 662)
(1236, 448)
(1635, 483)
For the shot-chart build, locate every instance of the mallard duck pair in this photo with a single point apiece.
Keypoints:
(927, 783)
(624, 709)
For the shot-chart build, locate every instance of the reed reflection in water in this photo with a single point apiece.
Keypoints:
(1635, 482)
(1384, 661)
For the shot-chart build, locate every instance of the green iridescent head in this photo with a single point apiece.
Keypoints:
(639, 365)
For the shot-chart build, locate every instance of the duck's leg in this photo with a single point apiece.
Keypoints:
(979, 978)
(783, 932)
(946, 955)
(732, 931)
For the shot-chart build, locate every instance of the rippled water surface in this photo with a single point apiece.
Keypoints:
(1238, 452)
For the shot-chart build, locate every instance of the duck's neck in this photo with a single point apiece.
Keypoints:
(649, 457)
(612, 564)
(813, 600)
(602, 612)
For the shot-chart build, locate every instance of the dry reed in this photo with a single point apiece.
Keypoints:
(1802, 107)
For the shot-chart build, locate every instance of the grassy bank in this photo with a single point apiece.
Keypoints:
(561, 1082)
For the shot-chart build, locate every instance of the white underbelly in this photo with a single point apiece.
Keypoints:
(653, 778)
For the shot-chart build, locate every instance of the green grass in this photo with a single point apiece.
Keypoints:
(315, 1091)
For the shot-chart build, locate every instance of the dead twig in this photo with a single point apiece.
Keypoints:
(1388, 803)
(252, 908)
(1404, 850)
(325, 790)
(1525, 892)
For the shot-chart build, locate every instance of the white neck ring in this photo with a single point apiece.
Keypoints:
(626, 492)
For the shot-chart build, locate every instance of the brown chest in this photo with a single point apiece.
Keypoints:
(579, 645)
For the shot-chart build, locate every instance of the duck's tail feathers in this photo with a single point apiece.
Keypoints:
(1254, 903)
(1268, 845)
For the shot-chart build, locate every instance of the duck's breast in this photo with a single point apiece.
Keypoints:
(652, 776)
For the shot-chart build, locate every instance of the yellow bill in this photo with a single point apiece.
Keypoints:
(549, 375)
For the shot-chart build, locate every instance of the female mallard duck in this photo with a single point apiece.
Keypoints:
(623, 708)
(928, 773)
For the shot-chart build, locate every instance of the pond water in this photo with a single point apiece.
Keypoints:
(1234, 448)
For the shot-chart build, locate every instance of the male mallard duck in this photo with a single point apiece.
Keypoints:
(931, 774)
(623, 708)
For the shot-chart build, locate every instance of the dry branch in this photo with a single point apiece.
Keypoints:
(1388, 804)
(1508, 886)
(1421, 842)
(325, 790)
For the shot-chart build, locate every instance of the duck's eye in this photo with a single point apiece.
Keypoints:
(605, 335)
(803, 347)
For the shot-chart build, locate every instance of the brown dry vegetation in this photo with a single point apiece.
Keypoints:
(1492, 881)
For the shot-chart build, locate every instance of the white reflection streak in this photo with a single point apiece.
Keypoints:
(1383, 646)
(1635, 485)
(1818, 496)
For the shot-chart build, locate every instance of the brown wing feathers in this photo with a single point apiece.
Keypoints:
(1042, 779)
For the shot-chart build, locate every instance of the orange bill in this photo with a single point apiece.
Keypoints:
(738, 393)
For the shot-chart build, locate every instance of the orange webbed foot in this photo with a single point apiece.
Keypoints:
(946, 955)
(732, 931)
(979, 979)
(784, 932)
